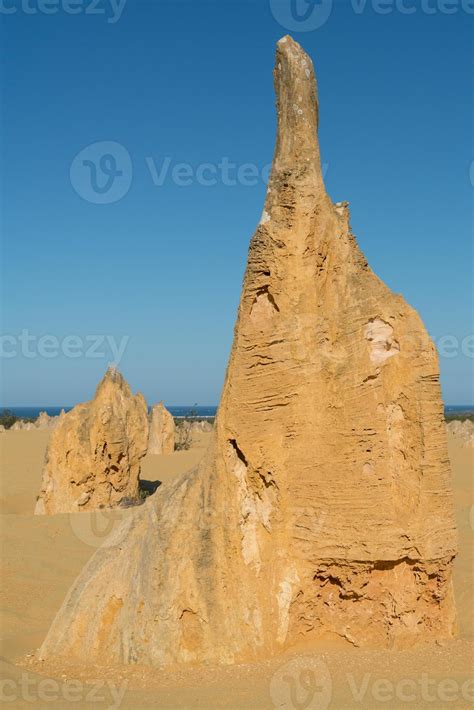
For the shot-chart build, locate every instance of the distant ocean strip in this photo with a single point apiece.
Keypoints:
(184, 411)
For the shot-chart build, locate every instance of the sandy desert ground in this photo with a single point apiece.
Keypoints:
(41, 556)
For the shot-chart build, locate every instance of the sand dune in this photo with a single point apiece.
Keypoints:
(42, 555)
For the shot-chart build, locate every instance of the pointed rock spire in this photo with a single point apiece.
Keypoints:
(161, 438)
(93, 455)
(297, 109)
(323, 507)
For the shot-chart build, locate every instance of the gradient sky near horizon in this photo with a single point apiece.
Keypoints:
(190, 82)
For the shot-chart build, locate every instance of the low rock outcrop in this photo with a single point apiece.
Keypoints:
(161, 438)
(93, 456)
(201, 426)
(462, 430)
(323, 507)
(22, 425)
(187, 431)
(43, 421)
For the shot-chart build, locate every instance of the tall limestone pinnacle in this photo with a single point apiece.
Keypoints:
(322, 508)
(161, 437)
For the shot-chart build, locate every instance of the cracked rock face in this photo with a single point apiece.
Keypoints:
(93, 456)
(322, 508)
(162, 430)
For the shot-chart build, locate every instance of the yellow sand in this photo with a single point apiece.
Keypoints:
(41, 556)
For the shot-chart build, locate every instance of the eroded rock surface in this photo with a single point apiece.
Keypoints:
(462, 430)
(44, 421)
(162, 430)
(201, 426)
(323, 507)
(93, 456)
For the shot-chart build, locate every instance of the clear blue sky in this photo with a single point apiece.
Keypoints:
(191, 81)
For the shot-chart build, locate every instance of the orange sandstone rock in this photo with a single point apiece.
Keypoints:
(323, 507)
(162, 430)
(93, 455)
